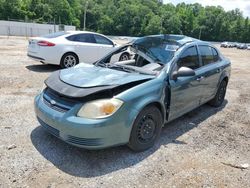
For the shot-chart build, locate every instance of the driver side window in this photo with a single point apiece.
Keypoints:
(101, 40)
(189, 58)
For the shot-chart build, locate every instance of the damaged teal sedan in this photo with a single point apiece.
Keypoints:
(109, 103)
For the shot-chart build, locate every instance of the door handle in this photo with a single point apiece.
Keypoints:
(200, 78)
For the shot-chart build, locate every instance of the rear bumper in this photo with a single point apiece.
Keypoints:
(85, 133)
(36, 58)
(42, 58)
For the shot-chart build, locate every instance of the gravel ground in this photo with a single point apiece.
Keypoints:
(200, 149)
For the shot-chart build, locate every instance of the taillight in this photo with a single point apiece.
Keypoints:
(45, 43)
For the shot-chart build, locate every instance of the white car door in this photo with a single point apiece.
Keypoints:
(85, 47)
(105, 45)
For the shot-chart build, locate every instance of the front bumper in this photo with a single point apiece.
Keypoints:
(82, 132)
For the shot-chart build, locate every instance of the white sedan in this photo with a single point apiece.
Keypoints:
(71, 47)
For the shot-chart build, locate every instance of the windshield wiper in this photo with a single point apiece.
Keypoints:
(114, 66)
(100, 64)
(121, 67)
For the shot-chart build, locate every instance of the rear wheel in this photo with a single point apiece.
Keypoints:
(69, 60)
(220, 95)
(146, 129)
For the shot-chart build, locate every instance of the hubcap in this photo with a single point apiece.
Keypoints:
(124, 57)
(146, 129)
(69, 61)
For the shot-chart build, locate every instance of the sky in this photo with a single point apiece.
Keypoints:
(243, 5)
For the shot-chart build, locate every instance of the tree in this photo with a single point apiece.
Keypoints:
(154, 25)
(12, 9)
(134, 17)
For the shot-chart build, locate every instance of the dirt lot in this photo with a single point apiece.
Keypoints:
(193, 151)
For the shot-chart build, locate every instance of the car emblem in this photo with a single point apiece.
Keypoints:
(52, 102)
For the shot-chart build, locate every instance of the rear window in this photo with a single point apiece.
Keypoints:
(216, 55)
(206, 55)
(55, 35)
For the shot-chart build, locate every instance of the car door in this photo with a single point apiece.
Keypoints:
(105, 45)
(85, 47)
(210, 71)
(185, 91)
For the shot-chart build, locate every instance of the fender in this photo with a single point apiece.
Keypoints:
(225, 73)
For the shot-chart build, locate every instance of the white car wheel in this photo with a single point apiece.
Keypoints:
(69, 60)
(124, 57)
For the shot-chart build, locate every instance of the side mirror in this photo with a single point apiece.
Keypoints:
(183, 72)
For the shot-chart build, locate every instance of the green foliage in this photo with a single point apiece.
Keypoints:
(134, 17)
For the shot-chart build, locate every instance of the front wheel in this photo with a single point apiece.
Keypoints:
(146, 129)
(220, 95)
(124, 57)
(69, 60)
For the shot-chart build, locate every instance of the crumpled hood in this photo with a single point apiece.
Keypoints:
(87, 75)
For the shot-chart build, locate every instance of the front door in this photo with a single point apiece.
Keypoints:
(185, 91)
(105, 45)
(86, 48)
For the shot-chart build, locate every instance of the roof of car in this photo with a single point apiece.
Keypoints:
(170, 39)
(162, 47)
(78, 32)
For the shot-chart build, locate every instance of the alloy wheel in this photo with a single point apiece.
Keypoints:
(69, 61)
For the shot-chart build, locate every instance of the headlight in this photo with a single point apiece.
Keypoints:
(100, 108)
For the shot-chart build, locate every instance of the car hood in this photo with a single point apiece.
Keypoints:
(86, 76)
(85, 80)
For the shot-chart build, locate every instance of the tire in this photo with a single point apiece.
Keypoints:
(124, 57)
(220, 95)
(146, 129)
(69, 60)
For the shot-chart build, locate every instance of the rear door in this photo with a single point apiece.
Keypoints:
(85, 47)
(210, 71)
(185, 91)
(105, 45)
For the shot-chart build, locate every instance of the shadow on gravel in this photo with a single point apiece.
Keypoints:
(43, 68)
(85, 163)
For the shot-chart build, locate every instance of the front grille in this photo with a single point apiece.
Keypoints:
(50, 129)
(84, 141)
(56, 102)
(56, 107)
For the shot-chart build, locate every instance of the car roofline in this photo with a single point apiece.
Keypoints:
(70, 32)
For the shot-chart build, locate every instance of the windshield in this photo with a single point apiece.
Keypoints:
(136, 61)
(146, 55)
(55, 35)
(161, 48)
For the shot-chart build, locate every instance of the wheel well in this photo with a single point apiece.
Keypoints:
(159, 106)
(225, 79)
(70, 53)
(124, 53)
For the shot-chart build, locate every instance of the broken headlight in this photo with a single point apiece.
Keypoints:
(100, 108)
